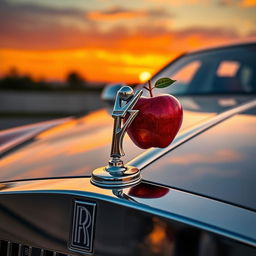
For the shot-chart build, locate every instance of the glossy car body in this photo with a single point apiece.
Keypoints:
(197, 196)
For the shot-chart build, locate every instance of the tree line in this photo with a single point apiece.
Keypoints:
(15, 81)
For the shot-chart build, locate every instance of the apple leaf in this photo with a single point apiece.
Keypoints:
(164, 82)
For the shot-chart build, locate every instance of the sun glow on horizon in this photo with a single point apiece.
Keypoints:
(144, 76)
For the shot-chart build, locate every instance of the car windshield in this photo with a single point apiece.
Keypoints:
(226, 70)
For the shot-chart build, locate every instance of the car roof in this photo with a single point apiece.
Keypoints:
(223, 47)
(205, 50)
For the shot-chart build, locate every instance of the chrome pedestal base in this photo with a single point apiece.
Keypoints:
(116, 177)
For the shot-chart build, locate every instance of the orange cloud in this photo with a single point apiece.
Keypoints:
(93, 64)
(47, 43)
(119, 58)
(248, 3)
(180, 2)
(241, 3)
(118, 13)
(115, 16)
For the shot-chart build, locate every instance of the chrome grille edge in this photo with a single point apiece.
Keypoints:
(8, 248)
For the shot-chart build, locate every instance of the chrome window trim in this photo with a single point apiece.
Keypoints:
(153, 154)
(203, 213)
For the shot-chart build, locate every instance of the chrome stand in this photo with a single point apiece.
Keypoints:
(116, 174)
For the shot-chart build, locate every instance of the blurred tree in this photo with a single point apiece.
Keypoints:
(75, 81)
(13, 72)
(13, 80)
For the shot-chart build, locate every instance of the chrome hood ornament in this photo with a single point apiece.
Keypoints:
(116, 174)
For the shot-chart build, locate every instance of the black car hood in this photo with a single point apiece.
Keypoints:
(219, 163)
(78, 146)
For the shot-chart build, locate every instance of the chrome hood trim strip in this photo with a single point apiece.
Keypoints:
(153, 154)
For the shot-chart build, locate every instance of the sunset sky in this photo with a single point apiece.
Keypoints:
(114, 40)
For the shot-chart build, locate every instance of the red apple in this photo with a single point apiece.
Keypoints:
(157, 123)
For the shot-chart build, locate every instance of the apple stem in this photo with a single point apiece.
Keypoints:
(150, 88)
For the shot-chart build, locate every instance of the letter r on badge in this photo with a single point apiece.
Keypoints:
(83, 226)
(83, 222)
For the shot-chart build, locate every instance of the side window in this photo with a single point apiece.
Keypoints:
(184, 76)
(233, 76)
(226, 79)
(228, 69)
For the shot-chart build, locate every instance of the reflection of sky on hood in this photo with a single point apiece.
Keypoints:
(219, 163)
(74, 148)
(105, 40)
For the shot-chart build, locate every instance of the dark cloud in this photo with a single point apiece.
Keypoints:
(225, 2)
(150, 13)
(15, 8)
(115, 10)
(241, 3)
(208, 32)
(159, 13)
(117, 13)
(34, 26)
(252, 34)
(31, 26)
(39, 28)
